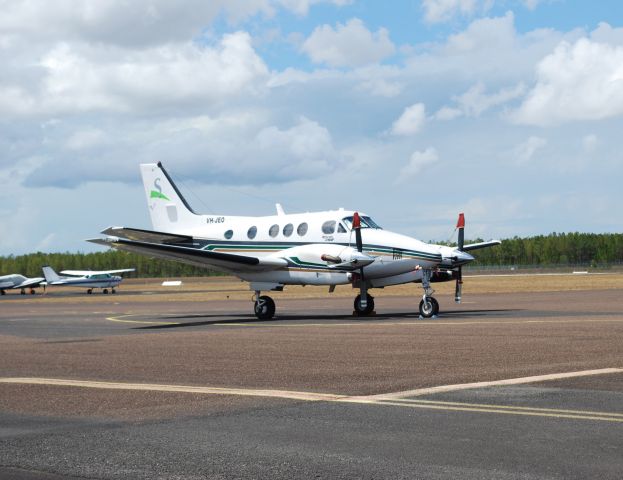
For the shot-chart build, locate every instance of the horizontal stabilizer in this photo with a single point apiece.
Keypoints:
(477, 246)
(147, 235)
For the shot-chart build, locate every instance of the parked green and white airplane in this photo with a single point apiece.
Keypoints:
(321, 248)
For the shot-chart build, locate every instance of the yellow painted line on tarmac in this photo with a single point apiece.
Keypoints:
(328, 397)
(494, 383)
(123, 319)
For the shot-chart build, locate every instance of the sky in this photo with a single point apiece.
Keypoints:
(411, 111)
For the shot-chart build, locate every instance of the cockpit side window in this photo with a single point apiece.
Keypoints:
(340, 228)
(366, 222)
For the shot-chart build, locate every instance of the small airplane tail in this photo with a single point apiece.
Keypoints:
(167, 206)
(50, 275)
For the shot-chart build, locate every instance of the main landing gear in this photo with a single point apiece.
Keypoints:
(361, 309)
(429, 306)
(264, 306)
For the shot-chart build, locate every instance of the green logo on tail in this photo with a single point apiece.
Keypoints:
(155, 194)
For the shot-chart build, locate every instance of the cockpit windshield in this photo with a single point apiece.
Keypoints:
(366, 222)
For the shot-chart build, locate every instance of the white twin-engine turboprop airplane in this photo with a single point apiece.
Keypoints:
(321, 248)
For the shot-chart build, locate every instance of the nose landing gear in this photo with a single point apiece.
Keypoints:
(429, 306)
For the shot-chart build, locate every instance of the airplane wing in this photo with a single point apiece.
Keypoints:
(190, 255)
(82, 273)
(476, 246)
(31, 282)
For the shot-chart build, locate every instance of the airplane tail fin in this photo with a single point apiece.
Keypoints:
(50, 275)
(168, 209)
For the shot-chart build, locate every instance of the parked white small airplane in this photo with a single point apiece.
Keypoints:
(85, 278)
(321, 248)
(15, 281)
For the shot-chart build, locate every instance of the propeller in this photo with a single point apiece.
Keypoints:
(359, 244)
(458, 290)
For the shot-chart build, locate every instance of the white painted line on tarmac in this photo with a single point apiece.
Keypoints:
(328, 397)
(307, 396)
(496, 383)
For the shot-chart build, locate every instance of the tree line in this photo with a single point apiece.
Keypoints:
(556, 249)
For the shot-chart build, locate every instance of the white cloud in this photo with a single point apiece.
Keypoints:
(416, 163)
(78, 78)
(233, 149)
(301, 7)
(524, 152)
(348, 45)
(579, 81)
(474, 102)
(411, 121)
(531, 4)
(436, 11)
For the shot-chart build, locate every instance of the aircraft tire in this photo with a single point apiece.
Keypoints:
(2, 292)
(32, 291)
(112, 290)
(23, 292)
(105, 291)
(430, 308)
(90, 291)
(362, 312)
(264, 308)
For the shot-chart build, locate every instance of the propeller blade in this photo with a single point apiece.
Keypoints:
(458, 291)
(460, 224)
(357, 228)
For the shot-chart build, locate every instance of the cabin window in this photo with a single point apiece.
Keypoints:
(288, 229)
(274, 230)
(252, 232)
(229, 234)
(301, 229)
(328, 227)
(340, 228)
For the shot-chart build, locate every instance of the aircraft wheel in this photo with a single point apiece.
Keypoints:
(264, 308)
(90, 291)
(2, 292)
(361, 311)
(112, 290)
(22, 292)
(429, 308)
(32, 291)
(105, 291)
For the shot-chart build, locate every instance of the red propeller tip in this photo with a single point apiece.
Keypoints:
(461, 222)
(356, 220)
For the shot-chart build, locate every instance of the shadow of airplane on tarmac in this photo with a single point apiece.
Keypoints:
(225, 319)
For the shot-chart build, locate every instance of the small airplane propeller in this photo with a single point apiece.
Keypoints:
(458, 290)
(359, 244)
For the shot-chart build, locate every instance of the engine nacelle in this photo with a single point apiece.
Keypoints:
(338, 257)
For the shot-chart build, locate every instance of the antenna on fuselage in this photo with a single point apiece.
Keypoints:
(279, 209)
